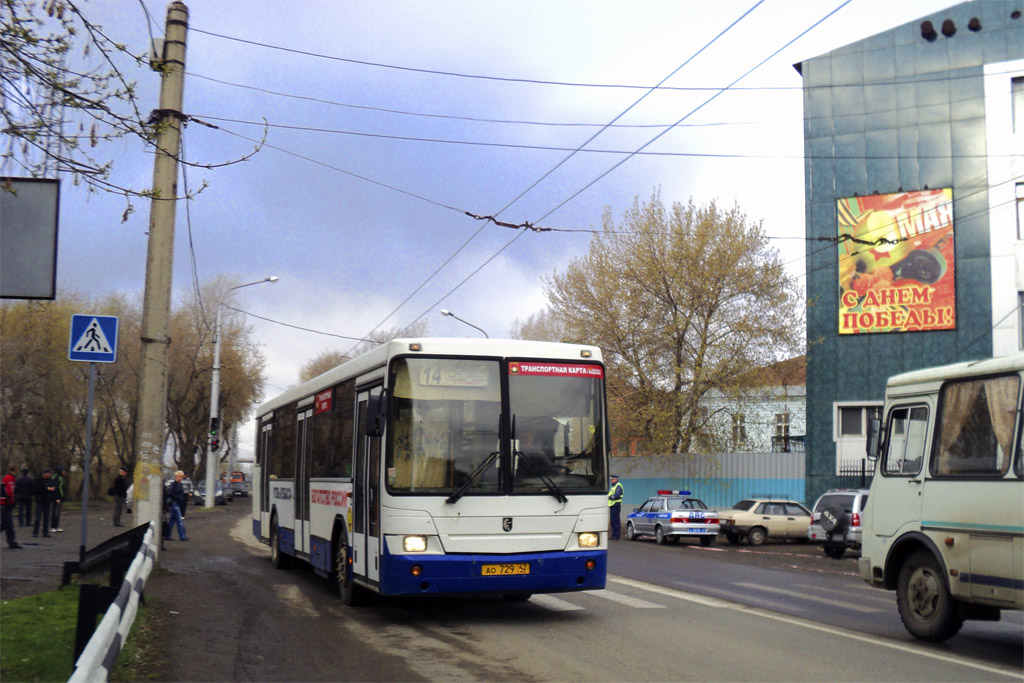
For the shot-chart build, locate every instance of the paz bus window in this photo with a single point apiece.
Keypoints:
(974, 435)
(908, 429)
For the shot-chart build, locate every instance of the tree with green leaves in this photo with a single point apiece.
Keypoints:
(681, 300)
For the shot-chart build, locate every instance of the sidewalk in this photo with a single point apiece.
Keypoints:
(39, 565)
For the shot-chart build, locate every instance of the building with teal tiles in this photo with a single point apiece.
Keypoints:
(914, 183)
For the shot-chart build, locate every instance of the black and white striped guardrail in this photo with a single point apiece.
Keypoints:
(100, 655)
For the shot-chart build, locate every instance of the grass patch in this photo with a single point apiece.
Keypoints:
(37, 639)
(37, 636)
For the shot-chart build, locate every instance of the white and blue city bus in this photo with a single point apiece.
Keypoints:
(441, 466)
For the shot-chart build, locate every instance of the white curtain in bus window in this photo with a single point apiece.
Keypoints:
(445, 416)
(976, 426)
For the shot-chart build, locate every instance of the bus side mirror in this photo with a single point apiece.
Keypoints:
(376, 414)
(874, 445)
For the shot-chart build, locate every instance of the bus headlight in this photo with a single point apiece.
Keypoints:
(414, 544)
(589, 539)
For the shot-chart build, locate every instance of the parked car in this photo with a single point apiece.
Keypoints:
(672, 515)
(199, 495)
(836, 520)
(241, 488)
(761, 519)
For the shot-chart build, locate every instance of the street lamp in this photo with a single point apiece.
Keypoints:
(445, 311)
(213, 442)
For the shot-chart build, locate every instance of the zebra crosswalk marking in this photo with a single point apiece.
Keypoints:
(625, 599)
(554, 604)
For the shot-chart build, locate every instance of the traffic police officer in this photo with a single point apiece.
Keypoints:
(615, 495)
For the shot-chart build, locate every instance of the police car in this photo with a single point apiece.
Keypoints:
(672, 515)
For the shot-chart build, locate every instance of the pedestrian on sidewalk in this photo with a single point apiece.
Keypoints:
(61, 482)
(175, 501)
(119, 490)
(7, 501)
(23, 492)
(46, 493)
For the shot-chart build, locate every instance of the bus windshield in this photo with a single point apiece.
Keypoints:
(448, 428)
(557, 426)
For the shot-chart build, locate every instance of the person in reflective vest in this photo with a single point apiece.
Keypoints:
(615, 496)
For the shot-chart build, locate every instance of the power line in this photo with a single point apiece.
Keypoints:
(493, 218)
(577, 193)
(537, 81)
(295, 327)
(454, 117)
(574, 150)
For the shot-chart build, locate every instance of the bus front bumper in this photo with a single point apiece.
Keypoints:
(550, 572)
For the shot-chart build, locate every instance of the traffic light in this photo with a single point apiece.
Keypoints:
(214, 436)
(214, 442)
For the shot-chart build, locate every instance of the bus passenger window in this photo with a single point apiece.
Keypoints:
(908, 430)
(975, 427)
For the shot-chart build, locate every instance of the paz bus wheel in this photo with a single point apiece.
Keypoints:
(926, 607)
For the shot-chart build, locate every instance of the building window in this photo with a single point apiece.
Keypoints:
(739, 432)
(781, 424)
(851, 421)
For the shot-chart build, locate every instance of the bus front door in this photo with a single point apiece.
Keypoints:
(366, 490)
(262, 478)
(303, 429)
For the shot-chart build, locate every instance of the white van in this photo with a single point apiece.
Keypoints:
(944, 522)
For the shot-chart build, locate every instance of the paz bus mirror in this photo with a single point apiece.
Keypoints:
(376, 414)
(874, 436)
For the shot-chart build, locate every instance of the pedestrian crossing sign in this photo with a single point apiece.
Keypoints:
(93, 338)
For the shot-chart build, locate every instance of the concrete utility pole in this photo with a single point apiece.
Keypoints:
(157, 299)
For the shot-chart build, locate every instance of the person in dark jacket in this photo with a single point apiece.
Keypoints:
(61, 481)
(120, 492)
(24, 491)
(174, 498)
(46, 493)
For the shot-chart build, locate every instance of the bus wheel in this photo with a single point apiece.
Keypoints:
(926, 607)
(277, 558)
(348, 591)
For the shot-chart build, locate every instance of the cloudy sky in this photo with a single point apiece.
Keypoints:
(387, 121)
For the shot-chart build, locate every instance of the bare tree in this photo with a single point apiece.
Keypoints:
(681, 301)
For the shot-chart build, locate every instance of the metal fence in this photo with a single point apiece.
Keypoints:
(719, 479)
(855, 474)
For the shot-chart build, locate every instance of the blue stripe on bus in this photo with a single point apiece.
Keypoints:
(320, 553)
(996, 581)
(551, 572)
(256, 529)
(286, 540)
(964, 526)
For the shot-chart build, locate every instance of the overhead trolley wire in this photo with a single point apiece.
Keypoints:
(493, 218)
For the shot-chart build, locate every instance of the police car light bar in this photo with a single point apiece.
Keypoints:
(673, 493)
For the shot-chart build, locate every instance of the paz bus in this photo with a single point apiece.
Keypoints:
(944, 523)
(441, 466)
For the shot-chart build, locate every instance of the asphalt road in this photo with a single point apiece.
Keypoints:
(674, 612)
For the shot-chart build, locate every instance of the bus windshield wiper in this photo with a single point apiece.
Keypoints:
(478, 472)
(473, 477)
(524, 462)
